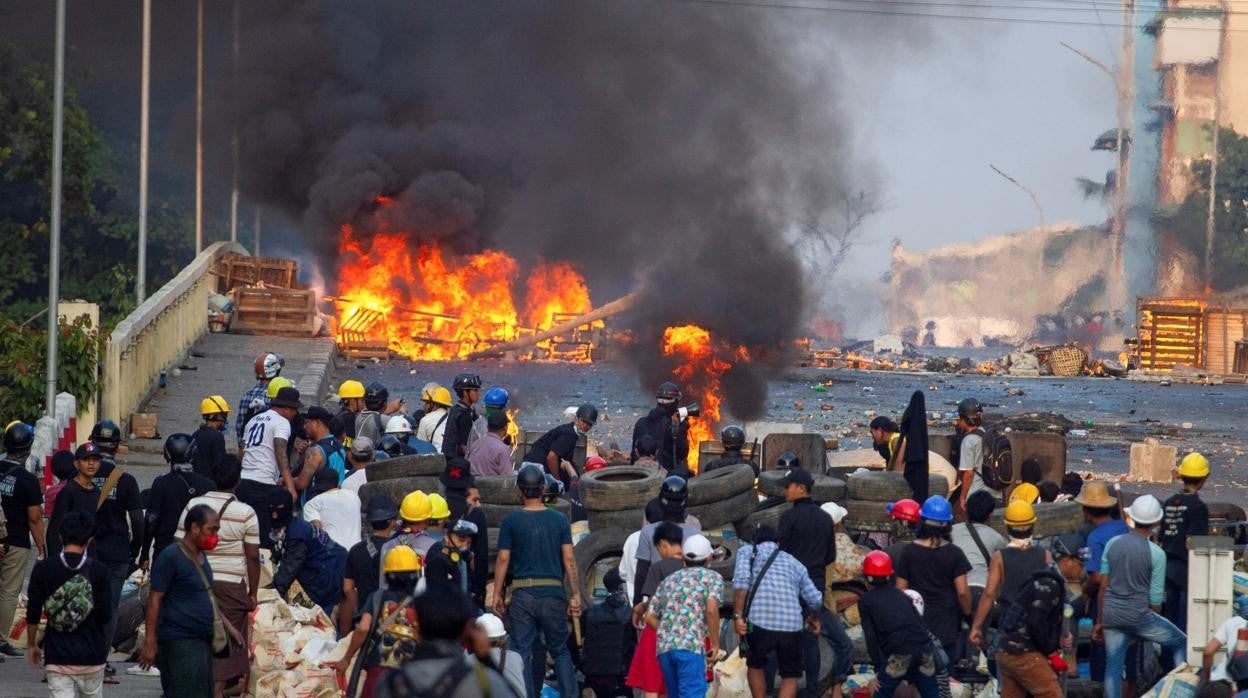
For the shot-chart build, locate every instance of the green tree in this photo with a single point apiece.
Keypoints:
(1187, 225)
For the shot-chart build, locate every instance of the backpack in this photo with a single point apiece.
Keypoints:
(71, 603)
(997, 469)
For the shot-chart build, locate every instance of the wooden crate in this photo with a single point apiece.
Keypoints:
(1171, 332)
(274, 311)
(234, 270)
(1223, 328)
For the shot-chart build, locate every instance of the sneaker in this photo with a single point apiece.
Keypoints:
(136, 670)
(109, 669)
(10, 651)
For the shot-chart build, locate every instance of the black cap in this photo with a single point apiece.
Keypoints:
(320, 414)
(799, 476)
(458, 474)
(88, 450)
(324, 479)
(382, 507)
(287, 397)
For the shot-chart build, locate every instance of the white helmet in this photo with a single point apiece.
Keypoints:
(917, 599)
(492, 626)
(398, 424)
(1144, 510)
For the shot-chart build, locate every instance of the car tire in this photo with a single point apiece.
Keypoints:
(767, 512)
(495, 513)
(498, 489)
(399, 487)
(619, 487)
(407, 466)
(1052, 518)
(725, 511)
(889, 486)
(720, 484)
(627, 519)
(867, 516)
(826, 489)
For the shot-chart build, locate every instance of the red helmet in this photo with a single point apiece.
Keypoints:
(877, 563)
(905, 510)
(594, 463)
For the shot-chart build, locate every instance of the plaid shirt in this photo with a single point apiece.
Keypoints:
(777, 604)
(259, 391)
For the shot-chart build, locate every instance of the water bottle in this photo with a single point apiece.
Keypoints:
(164, 381)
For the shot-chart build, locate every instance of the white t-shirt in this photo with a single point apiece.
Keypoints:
(972, 459)
(239, 525)
(628, 561)
(339, 513)
(1227, 634)
(259, 460)
(357, 479)
(433, 426)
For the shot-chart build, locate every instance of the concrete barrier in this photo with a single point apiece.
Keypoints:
(157, 334)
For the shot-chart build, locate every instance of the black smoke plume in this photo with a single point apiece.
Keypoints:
(663, 145)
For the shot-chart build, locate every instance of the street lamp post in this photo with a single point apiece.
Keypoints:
(54, 234)
(145, 80)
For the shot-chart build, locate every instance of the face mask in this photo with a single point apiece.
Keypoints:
(579, 431)
(209, 542)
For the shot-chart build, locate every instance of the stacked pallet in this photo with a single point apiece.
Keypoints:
(274, 311)
(235, 270)
(1224, 327)
(1171, 332)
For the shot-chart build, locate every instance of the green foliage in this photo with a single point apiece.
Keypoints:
(1186, 225)
(23, 364)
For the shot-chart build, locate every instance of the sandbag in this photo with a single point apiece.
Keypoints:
(730, 678)
(1180, 683)
(848, 563)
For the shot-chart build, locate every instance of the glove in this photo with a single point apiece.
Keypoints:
(1058, 662)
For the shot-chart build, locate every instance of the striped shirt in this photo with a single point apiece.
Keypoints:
(239, 525)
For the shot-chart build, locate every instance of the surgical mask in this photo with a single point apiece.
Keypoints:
(578, 430)
(209, 542)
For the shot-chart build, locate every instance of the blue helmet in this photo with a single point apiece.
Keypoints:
(496, 397)
(936, 508)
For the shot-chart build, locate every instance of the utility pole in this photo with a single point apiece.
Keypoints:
(234, 138)
(199, 127)
(1126, 103)
(1034, 199)
(1213, 163)
(145, 80)
(54, 234)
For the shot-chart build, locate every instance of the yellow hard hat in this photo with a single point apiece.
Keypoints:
(1020, 513)
(277, 384)
(415, 507)
(438, 510)
(213, 404)
(426, 393)
(1194, 465)
(440, 396)
(401, 558)
(350, 389)
(1025, 492)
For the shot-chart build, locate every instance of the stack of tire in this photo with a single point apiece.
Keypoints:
(870, 493)
(399, 476)
(499, 497)
(771, 485)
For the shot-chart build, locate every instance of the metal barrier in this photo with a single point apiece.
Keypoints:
(158, 333)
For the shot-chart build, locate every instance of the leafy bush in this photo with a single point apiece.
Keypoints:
(23, 366)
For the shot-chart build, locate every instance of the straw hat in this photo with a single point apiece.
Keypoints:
(1096, 494)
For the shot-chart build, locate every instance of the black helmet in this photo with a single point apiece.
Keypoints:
(390, 445)
(466, 381)
(376, 396)
(179, 448)
(587, 412)
(531, 480)
(674, 492)
(970, 410)
(732, 437)
(668, 391)
(18, 439)
(788, 460)
(107, 435)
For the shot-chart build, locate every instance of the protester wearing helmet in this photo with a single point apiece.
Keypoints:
(493, 402)
(555, 448)
(400, 569)
(936, 568)
(1011, 566)
(450, 562)
(398, 428)
(432, 427)
(363, 570)
(1185, 516)
(507, 661)
(370, 420)
(325, 451)
(668, 425)
(895, 633)
(733, 439)
(1130, 562)
(969, 449)
(267, 367)
(210, 438)
(535, 547)
(22, 500)
(672, 506)
(169, 495)
(459, 419)
(414, 513)
(350, 402)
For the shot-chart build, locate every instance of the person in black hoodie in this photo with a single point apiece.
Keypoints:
(895, 633)
(169, 496)
(609, 640)
(75, 636)
(464, 501)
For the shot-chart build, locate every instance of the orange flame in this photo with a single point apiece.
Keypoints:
(704, 362)
(435, 306)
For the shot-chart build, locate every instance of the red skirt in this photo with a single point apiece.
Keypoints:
(644, 672)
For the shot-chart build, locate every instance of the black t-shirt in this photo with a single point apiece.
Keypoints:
(806, 533)
(458, 428)
(658, 424)
(72, 497)
(891, 624)
(441, 568)
(363, 568)
(561, 440)
(1184, 515)
(209, 450)
(112, 525)
(85, 646)
(19, 490)
(169, 495)
(931, 571)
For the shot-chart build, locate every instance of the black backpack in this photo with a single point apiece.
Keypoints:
(997, 469)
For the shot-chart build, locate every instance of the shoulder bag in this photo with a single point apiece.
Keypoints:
(110, 484)
(744, 645)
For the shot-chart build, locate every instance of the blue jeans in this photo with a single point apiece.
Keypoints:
(684, 673)
(919, 669)
(117, 573)
(548, 615)
(833, 630)
(1155, 629)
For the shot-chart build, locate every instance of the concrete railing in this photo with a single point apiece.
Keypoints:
(157, 334)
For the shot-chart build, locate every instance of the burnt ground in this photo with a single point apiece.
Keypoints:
(1120, 411)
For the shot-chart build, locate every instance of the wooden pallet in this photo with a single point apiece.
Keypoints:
(234, 270)
(274, 311)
